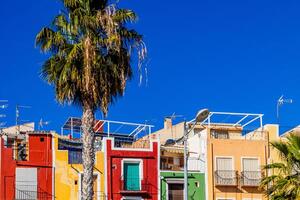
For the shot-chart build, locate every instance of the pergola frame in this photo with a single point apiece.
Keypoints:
(244, 119)
(74, 125)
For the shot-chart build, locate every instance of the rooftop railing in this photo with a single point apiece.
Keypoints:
(243, 135)
(107, 128)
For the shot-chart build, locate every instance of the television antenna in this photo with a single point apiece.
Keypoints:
(42, 123)
(18, 107)
(3, 105)
(280, 102)
(174, 116)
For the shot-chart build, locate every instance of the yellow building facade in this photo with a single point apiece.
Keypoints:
(68, 176)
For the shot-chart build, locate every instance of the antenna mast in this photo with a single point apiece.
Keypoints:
(3, 105)
(18, 117)
(281, 101)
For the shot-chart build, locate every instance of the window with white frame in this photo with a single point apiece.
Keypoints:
(225, 174)
(251, 164)
(224, 164)
(251, 174)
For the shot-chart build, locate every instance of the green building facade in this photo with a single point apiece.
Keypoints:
(172, 185)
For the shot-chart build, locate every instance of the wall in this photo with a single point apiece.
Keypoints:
(170, 132)
(273, 135)
(114, 157)
(7, 172)
(67, 176)
(40, 157)
(194, 193)
(236, 148)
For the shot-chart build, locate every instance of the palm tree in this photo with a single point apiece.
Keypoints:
(90, 48)
(284, 183)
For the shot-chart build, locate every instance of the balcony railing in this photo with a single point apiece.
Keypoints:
(193, 164)
(32, 195)
(171, 167)
(130, 144)
(251, 178)
(226, 177)
(242, 135)
(134, 185)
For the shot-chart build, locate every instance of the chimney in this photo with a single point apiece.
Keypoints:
(168, 123)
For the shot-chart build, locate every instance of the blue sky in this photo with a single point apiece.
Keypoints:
(236, 56)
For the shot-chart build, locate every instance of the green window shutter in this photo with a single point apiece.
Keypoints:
(132, 176)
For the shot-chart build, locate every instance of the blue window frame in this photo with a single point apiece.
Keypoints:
(75, 157)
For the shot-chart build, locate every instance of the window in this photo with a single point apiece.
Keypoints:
(21, 152)
(250, 165)
(131, 175)
(224, 164)
(220, 134)
(175, 191)
(225, 175)
(42, 139)
(75, 157)
(172, 163)
(176, 161)
(251, 174)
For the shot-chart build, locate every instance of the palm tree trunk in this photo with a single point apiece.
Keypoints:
(88, 152)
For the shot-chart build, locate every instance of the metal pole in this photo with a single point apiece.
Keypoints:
(185, 163)
(277, 112)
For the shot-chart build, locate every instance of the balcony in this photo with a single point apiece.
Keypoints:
(133, 186)
(238, 135)
(226, 178)
(251, 178)
(130, 144)
(30, 191)
(172, 163)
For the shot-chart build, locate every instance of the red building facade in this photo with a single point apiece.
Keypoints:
(26, 166)
(132, 170)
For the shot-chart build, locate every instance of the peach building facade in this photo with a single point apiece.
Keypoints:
(235, 156)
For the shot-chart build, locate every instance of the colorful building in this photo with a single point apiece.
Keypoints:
(236, 151)
(132, 170)
(172, 164)
(226, 153)
(115, 142)
(172, 184)
(68, 169)
(26, 170)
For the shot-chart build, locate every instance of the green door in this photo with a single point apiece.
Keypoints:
(131, 176)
